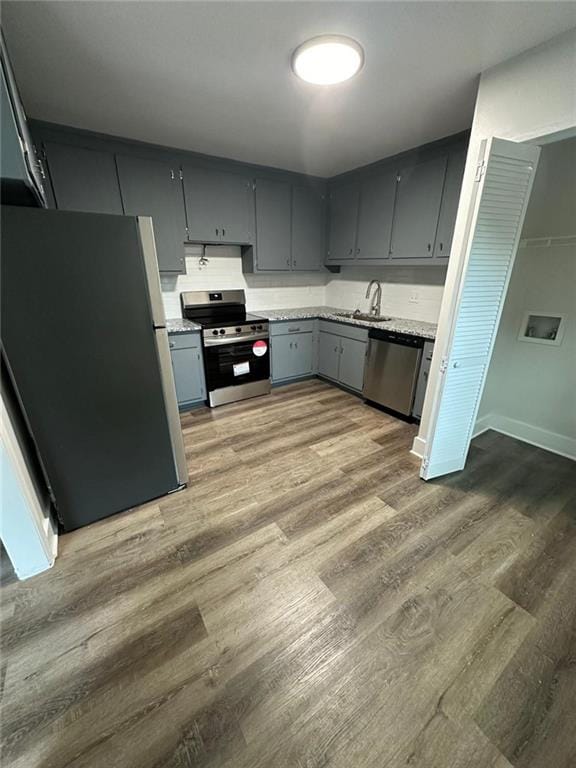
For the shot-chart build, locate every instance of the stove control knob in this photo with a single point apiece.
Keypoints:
(222, 331)
(215, 333)
(238, 330)
(259, 327)
(252, 327)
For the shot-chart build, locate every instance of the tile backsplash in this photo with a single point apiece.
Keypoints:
(411, 292)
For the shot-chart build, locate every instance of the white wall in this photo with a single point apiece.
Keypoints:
(530, 391)
(523, 99)
(26, 529)
(414, 293)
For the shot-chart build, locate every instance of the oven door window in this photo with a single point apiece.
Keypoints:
(238, 363)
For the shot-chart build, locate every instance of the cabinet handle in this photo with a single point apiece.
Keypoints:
(441, 246)
(294, 262)
(350, 251)
(290, 345)
(223, 233)
(171, 344)
(357, 251)
(335, 349)
(216, 233)
(429, 247)
(296, 344)
(288, 262)
(293, 330)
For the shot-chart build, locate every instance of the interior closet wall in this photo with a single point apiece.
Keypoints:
(530, 390)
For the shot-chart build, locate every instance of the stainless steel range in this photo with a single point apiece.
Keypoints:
(236, 345)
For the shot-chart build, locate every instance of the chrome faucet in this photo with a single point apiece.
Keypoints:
(377, 298)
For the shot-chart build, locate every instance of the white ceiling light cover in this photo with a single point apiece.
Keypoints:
(328, 59)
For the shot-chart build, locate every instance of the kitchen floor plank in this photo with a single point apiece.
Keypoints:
(308, 601)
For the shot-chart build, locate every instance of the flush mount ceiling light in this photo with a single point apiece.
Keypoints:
(328, 59)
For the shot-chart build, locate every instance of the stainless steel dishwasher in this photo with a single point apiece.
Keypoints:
(392, 367)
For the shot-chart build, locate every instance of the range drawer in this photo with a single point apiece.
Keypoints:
(184, 340)
(286, 327)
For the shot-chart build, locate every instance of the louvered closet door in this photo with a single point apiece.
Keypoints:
(504, 185)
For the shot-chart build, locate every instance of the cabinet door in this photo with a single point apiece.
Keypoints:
(273, 225)
(292, 356)
(188, 375)
(343, 213)
(307, 229)
(218, 206)
(352, 359)
(328, 355)
(152, 188)
(418, 198)
(377, 195)
(83, 179)
(449, 207)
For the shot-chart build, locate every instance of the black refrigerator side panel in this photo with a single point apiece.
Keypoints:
(78, 336)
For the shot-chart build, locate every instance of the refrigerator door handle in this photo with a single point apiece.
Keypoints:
(152, 273)
(171, 402)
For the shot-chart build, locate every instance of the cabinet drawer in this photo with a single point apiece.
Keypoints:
(184, 340)
(291, 326)
(341, 329)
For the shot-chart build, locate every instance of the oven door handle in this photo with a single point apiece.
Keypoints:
(215, 342)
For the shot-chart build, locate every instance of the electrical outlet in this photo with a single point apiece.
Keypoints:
(414, 298)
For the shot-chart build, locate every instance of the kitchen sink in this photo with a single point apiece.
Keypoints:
(363, 316)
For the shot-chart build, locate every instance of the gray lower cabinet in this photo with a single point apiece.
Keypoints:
(219, 206)
(328, 355)
(308, 229)
(418, 199)
(188, 367)
(273, 225)
(342, 353)
(422, 382)
(83, 179)
(352, 359)
(292, 356)
(449, 207)
(343, 222)
(152, 188)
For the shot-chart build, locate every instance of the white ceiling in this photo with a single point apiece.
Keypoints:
(215, 77)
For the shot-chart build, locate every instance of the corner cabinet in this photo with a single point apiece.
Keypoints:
(290, 227)
(188, 367)
(153, 188)
(219, 206)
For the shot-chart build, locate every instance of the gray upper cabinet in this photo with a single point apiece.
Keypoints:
(449, 208)
(83, 179)
(418, 198)
(219, 206)
(343, 222)
(307, 229)
(377, 197)
(273, 225)
(152, 188)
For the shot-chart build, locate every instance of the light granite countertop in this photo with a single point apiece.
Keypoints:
(180, 325)
(400, 325)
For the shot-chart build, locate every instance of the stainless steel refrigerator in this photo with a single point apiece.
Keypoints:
(86, 347)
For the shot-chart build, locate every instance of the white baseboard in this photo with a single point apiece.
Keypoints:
(418, 447)
(541, 438)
